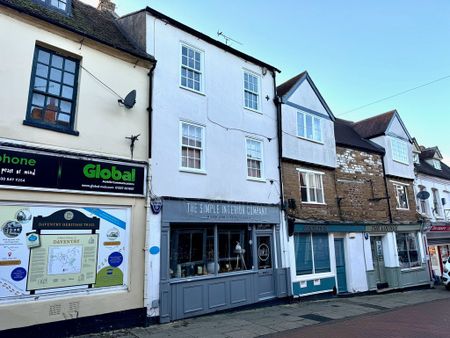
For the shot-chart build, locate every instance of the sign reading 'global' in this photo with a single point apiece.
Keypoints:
(55, 171)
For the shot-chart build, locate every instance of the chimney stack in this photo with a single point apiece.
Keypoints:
(107, 6)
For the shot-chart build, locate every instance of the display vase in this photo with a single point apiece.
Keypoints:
(210, 267)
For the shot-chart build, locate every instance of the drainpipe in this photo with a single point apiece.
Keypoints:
(150, 109)
(277, 100)
(388, 199)
(147, 269)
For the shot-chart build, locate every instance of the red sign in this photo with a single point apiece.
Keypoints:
(440, 228)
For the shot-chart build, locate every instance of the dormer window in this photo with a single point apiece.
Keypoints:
(416, 158)
(62, 5)
(437, 164)
(399, 150)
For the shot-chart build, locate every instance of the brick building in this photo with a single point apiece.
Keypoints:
(348, 194)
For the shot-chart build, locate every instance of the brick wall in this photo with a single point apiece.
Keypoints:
(304, 211)
(360, 186)
(402, 216)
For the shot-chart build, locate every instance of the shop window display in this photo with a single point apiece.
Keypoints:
(408, 250)
(193, 252)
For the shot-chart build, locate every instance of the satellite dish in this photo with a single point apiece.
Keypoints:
(130, 100)
(423, 195)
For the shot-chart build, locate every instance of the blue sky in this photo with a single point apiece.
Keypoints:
(355, 51)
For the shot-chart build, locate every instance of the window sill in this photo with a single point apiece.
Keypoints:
(320, 275)
(308, 139)
(313, 203)
(256, 179)
(253, 110)
(50, 127)
(401, 162)
(402, 209)
(193, 90)
(416, 268)
(193, 171)
(210, 276)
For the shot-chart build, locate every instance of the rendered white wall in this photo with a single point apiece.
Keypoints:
(101, 122)
(301, 149)
(443, 187)
(355, 263)
(392, 167)
(222, 102)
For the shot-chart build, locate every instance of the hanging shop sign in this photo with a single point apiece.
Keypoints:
(50, 248)
(20, 168)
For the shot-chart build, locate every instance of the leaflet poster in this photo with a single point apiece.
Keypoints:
(48, 249)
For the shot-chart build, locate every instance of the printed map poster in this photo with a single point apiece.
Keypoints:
(68, 264)
(62, 261)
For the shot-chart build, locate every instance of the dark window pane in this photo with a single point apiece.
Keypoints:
(321, 253)
(303, 254)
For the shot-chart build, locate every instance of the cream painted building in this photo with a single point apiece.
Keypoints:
(72, 180)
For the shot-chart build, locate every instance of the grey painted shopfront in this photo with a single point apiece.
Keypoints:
(218, 255)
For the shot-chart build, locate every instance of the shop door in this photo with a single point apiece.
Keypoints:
(340, 265)
(265, 259)
(378, 260)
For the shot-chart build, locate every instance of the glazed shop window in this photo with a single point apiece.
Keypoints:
(401, 196)
(234, 249)
(53, 91)
(312, 253)
(193, 253)
(408, 250)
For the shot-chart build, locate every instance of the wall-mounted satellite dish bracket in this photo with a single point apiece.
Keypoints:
(129, 101)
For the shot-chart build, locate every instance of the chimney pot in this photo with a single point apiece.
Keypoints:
(106, 5)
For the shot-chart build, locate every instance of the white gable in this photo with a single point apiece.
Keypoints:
(305, 96)
(397, 129)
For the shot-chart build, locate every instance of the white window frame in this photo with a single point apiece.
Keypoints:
(422, 205)
(437, 164)
(305, 131)
(257, 93)
(200, 72)
(202, 149)
(396, 189)
(261, 143)
(416, 158)
(308, 185)
(437, 204)
(396, 151)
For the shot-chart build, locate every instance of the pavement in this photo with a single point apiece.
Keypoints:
(276, 319)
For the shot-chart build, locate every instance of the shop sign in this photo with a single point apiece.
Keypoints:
(440, 228)
(382, 228)
(207, 211)
(59, 172)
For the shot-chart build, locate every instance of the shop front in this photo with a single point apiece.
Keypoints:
(218, 255)
(438, 239)
(328, 258)
(69, 239)
(397, 257)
